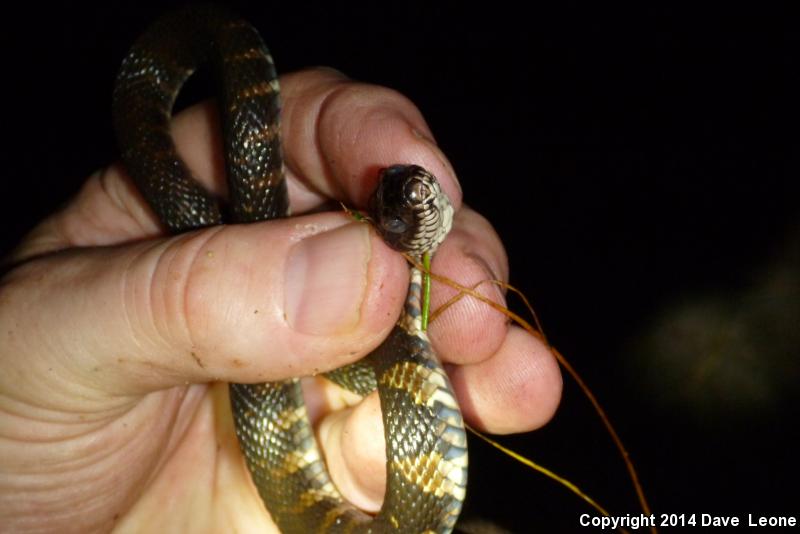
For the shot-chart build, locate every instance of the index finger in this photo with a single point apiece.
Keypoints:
(339, 133)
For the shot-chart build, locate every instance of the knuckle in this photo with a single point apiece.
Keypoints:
(175, 290)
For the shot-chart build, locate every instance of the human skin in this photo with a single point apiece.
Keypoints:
(118, 340)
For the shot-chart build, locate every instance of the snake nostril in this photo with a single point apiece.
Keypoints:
(417, 191)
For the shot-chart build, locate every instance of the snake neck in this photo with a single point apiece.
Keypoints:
(411, 319)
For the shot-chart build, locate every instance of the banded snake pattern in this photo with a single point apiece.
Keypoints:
(425, 438)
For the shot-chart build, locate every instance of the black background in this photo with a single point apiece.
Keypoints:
(641, 167)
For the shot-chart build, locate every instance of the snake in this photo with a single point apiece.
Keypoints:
(426, 444)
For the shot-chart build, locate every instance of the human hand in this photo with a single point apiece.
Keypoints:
(118, 341)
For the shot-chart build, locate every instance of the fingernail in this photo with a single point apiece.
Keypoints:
(492, 275)
(428, 140)
(326, 279)
(499, 291)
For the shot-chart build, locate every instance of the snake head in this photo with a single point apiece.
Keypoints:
(411, 212)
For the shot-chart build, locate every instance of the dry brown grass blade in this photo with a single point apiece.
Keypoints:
(538, 332)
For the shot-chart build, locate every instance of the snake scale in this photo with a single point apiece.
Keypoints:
(424, 432)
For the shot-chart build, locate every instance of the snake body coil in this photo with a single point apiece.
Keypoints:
(425, 438)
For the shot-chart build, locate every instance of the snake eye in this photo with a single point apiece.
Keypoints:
(395, 225)
(416, 191)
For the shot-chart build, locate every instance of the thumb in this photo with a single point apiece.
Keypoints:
(241, 303)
